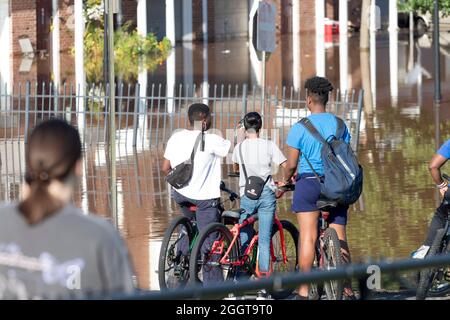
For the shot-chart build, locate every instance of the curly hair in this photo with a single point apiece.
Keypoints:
(319, 89)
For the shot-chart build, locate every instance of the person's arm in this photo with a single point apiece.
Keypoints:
(435, 168)
(220, 147)
(290, 166)
(166, 167)
(437, 161)
(235, 167)
(168, 154)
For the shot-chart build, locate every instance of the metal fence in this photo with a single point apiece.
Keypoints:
(146, 117)
(277, 282)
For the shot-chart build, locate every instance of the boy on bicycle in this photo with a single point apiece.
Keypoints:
(302, 146)
(253, 158)
(203, 189)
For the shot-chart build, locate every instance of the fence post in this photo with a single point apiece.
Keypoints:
(358, 121)
(244, 99)
(137, 106)
(27, 109)
(55, 102)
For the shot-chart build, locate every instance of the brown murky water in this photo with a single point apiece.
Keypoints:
(398, 136)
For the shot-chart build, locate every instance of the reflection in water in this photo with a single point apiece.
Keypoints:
(396, 142)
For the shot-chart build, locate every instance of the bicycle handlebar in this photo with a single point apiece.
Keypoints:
(282, 190)
(233, 195)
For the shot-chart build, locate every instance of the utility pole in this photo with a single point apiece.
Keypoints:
(437, 61)
(109, 25)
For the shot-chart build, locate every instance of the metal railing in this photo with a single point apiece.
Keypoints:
(293, 280)
(147, 116)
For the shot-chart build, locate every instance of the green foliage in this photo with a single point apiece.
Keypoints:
(424, 6)
(131, 49)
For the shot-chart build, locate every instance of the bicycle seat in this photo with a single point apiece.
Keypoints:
(232, 214)
(325, 204)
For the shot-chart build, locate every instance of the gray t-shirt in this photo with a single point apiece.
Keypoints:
(65, 256)
(259, 155)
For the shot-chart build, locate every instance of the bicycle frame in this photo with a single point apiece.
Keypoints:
(218, 245)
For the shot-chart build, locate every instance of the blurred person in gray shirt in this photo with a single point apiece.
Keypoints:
(48, 248)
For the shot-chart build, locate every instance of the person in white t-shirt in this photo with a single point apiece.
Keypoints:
(259, 156)
(203, 190)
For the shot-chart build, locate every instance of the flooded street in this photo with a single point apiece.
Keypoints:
(399, 134)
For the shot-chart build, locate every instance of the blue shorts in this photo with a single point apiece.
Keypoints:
(306, 194)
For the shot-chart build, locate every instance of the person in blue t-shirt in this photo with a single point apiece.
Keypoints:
(441, 214)
(302, 144)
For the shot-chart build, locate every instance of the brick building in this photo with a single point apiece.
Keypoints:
(47, 26)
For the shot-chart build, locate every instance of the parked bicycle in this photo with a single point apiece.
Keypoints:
(224, 252)
(327, 257)
(435, 282)
(173, 268)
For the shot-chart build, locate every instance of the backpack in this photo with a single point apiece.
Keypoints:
(343, 176)
(180, 176)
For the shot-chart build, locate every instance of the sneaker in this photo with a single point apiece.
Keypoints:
(262, 295)
(420, 253)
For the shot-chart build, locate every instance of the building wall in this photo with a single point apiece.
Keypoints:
(230, 18)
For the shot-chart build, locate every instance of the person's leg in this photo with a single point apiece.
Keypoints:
(266, 213)
(437, 222)
(207, 213)
(338, 221)
(306, 194)
(248, 231)
(184, 204)
(308, 225)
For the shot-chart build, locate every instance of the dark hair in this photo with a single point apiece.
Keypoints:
(318, 89)
(198, 112)
(252, 120)
(53, 149)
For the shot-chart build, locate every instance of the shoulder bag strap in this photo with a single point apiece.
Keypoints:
(197, 142)
(242, 160)
(340, 128)
(313, 131)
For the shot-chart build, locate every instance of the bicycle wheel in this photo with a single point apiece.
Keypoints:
(316, 289)
(427, 276)
(211, 246)
(442, 288)
(332, 259)
(173, 268)
(290, 233)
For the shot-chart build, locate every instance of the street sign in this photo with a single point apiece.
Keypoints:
(266, 27)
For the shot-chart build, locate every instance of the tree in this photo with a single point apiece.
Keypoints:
(131, 49)
(424, 6)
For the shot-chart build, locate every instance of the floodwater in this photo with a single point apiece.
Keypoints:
(400, 131)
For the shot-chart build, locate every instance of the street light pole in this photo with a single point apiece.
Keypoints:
(437, 61)
(112, 109)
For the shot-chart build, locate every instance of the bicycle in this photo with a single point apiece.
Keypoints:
(327, 256)
(434, 282)
(225, 251)
(173, 267)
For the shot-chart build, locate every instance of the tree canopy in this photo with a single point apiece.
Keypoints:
(424, 6)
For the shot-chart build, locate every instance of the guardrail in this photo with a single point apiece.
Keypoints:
(292, 280)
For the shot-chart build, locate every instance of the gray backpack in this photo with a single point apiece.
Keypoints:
(343, 176)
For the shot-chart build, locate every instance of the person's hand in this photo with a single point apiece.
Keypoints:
(281, 184)
(443, 191)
